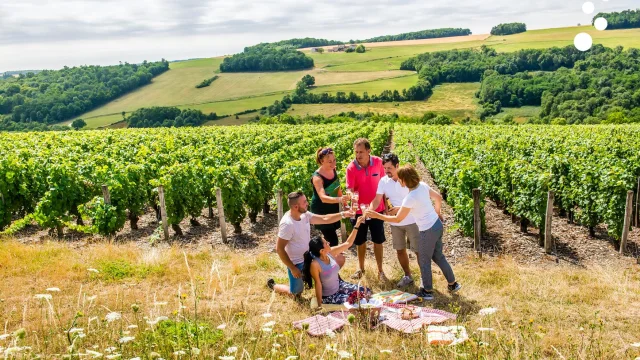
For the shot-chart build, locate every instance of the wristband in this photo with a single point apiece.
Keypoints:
(355, 228)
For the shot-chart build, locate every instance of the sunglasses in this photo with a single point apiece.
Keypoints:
(326, 151)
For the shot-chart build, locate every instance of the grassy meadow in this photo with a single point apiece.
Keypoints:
(130, 300)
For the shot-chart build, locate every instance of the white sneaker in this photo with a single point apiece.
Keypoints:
(405, 281)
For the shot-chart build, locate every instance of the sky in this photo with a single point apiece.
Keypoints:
(49, 34)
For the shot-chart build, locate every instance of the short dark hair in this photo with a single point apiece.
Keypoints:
(362, 141)
(390, 157)
(293, 197)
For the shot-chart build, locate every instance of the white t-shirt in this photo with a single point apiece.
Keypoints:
(297, 234)
(421, 207)
(396, 194)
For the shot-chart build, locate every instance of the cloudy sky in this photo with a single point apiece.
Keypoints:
(36, 34)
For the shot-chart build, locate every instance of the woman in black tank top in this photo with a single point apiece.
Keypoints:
(327, 193)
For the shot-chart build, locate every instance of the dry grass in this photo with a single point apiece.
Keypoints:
(545, 311)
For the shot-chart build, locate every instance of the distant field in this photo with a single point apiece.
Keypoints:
(177, 87)
(520, 114)
(455, 100)
(372, 87)
(207, 62)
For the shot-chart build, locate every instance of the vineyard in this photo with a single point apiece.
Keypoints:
(57, 180)
(590, 169)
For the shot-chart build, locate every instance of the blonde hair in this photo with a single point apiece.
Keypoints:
(409, 176)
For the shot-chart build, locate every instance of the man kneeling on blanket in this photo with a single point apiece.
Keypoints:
(321, 267)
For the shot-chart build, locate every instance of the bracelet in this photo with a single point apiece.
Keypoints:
(356, 228)
(342, 214)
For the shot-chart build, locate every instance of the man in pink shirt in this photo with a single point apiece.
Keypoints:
(363, 175)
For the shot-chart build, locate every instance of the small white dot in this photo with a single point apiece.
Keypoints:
(583, 41)
(601, 23)
(588, 7)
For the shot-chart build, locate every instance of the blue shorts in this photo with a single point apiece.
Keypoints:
(296, 286)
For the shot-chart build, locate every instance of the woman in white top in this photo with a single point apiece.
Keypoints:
(429, 219)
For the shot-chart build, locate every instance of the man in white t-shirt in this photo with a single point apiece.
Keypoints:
(294, 234)
(405, 233)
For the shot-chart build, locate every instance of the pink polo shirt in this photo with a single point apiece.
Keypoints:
(365, 180)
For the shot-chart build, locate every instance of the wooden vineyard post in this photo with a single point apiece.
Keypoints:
(279, 206)
(627, 222)
(223, 222)
(477, 222)
(638, 204)
(106, 195)
(343, 228)
(163, 213)
(548, 238)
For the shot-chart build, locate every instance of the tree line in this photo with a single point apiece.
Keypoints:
(509, 29)
(627, 19)
(420, 91)
(206, 82)
(53, 96)
(160, 116)
(267, 57)
(418, 35)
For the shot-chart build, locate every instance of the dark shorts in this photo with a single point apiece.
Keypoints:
(374, 226)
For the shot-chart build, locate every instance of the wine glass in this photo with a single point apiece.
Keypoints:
(354, 202)
(364, 207)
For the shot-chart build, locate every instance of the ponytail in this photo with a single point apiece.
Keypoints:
(306, 270)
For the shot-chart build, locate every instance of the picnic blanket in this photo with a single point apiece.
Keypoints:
(319, 324)
(392, 318)
(446, 335)
(395, 297)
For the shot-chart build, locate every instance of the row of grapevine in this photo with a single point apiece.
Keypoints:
(54, 178)
(589, 168)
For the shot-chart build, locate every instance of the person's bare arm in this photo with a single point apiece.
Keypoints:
(280, 245)
(337, 250)
(317, 184)
(401, 215)
(328, 219)
(315, 274)
(437, 202)
(376, 202)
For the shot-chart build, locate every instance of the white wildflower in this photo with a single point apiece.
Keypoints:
(135, 358)
(95, 354)
(222, 326)
(114, 356)
(636, 344)
(226, 357)
(266, 315)
(270, 324)
(488, 311)
(5, 336)
(110, 349)
(93, 270)
(483, 329)
(91, 298)
(276, 345)
(232, 350)
(53, 289)
(75, 330)
(331, 347)
(344, 354)
(266, 329)
(160, 303)
(132, 327)
(330, 333)
(195, 351)
(126, 339)
(386, 351)
(44, 296)
(113, 316)
(291, 357)
(12, 350)
(82, 335)
(179, 353)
